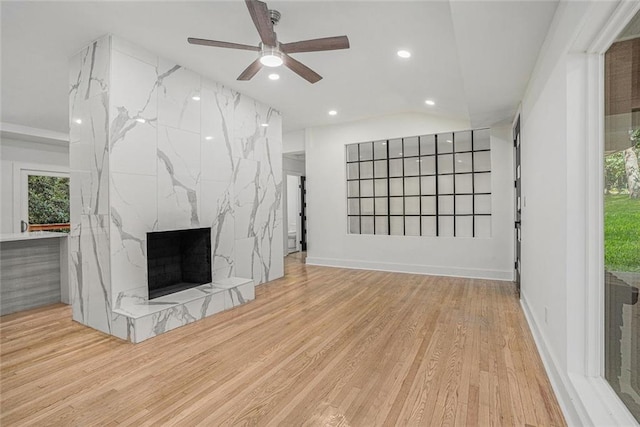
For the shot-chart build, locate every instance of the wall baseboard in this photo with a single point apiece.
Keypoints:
(561, 384)
(585, 401)
(412, 268)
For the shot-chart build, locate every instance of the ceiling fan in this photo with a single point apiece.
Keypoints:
(272, 52)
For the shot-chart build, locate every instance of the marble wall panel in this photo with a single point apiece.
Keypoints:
(218, 213)
(133, 215)
(88, 74)
(133, 113)
(93, 293)
(178, 96)
(178, 159)
(217, 106)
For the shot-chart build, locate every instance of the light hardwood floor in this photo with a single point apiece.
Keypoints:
(322, 346)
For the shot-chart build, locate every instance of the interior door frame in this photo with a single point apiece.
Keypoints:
(517, 180)
(20, 199)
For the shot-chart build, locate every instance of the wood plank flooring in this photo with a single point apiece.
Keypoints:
(320, 347)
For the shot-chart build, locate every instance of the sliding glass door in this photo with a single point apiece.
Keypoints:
(622, 216)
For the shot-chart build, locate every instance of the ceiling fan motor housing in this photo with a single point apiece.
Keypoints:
(275, 16)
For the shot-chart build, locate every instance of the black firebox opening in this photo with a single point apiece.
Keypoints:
(178, 260)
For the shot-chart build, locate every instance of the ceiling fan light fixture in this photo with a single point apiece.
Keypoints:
(271, 57)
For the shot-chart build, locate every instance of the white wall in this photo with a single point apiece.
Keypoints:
(561, 214)
(329, 243)
(14, 152)
(293, 142)
(544, 180)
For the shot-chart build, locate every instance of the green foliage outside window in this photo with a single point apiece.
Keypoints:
(48, 199)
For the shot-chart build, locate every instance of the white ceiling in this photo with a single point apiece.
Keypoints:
(474, 58)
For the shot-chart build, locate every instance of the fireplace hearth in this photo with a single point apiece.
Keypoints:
(178, 260)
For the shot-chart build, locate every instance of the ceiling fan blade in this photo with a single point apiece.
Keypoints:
(216, 43)
(315, 45)
(261, 19)
(251, 70)
(300, 69)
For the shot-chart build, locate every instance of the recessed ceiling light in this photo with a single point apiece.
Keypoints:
(264, 125)
(404, 54)
(140, 120)
(429, 102)
(208, 138)
(78, 121)
(195, 98)
(384, 143)
(333, 112)
(449, 141)
(274, 76)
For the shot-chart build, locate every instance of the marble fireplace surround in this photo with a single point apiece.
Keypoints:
(156, 147)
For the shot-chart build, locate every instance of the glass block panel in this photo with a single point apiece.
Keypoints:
(395, 187)
(429, 226)
(445, 226)
(483, 204)
(445, 143)
(428, 165)
(462, 141)
(354, 225)
(463, 162)
(483, 226)
(395, 167)
(445, 184)
(366, 225)
(366, 151)
(380, 150)
(380, 187)
(464, 205)
(410, 146)
(352, 152)
(380, 169)
(366, 188)
(428, 205)
(411, 167)
(395, 148)
(412, 186)
(464, 184)
(464, 226)
(352, 171)
(481, 139)
(428, 184)
(482, 161)
(412, 205)
(381, 206)
(427, 144)
(482, 182)
(445, 164)
(397, 226)
(366, 206)
(366, 170)
(353, 206)
(445, 205)
(412, 226)
(353, 189)
(382, 225)
(396, 204)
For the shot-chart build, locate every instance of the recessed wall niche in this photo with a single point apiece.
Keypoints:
(430, 185)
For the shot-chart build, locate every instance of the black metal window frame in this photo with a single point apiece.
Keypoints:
(368, 205)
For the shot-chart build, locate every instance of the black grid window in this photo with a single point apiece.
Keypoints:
(430, 185)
